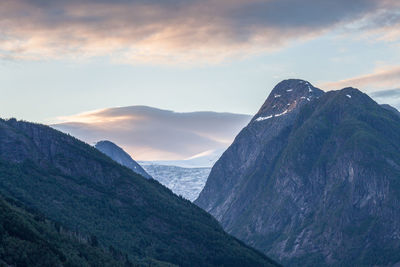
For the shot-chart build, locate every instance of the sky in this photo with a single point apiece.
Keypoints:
(59, 58)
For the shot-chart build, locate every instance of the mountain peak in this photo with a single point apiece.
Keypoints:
(106, 143)
(117, 154)
(350, 90)
(348, 97)
(287, 96)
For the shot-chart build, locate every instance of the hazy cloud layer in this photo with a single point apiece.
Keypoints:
(170, 31)
(391, 97)
(381, 79)
(153, 134)
(393, 93)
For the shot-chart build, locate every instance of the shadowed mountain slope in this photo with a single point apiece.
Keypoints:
(318, 185)
(29, 239)
(73, 183)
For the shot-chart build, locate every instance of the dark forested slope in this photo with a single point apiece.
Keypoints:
(75, 184)
(28, 239)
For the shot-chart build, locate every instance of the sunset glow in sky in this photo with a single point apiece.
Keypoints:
(63, 57)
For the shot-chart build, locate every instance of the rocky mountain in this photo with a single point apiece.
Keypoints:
(73, 183)
(119, 155)
(277, 113)
(313, 180)
(185, 182)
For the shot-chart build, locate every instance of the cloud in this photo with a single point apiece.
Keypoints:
(154, 134)
(391, 97)
(382, 25)
(169, 31)
(392, 93)
(379, 85)
(381, 79)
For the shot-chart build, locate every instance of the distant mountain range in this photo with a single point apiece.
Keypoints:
(70, 182)
(313, 179)
(151, 134)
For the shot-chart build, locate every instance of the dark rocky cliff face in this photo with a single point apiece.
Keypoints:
(319, 185)
(73, 183)
(275, 116)
(119, 155)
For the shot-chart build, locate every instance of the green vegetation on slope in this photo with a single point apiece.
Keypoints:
(75, 184)
(351, 125)
(28, 239)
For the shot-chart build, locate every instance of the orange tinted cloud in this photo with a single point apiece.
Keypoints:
(168, 32)
(154, 134)
(384, 78)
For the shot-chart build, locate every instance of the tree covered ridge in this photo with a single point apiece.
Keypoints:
(27, 238)
(72, 182)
